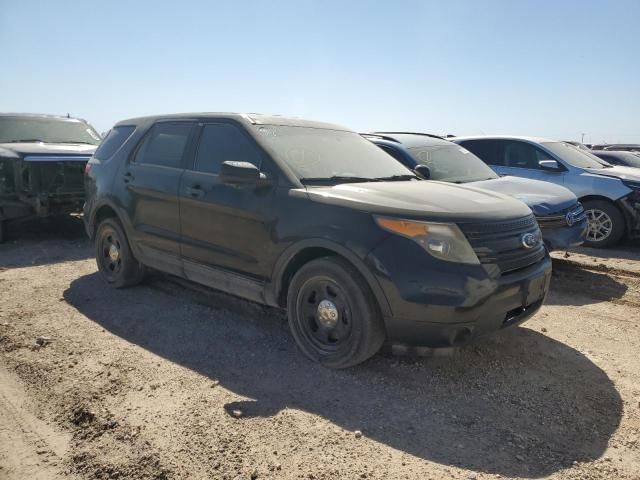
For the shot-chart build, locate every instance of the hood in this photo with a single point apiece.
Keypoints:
(46, 149)
(623, 173)
(428, 200)
(543, 198)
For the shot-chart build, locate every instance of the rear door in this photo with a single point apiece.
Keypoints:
(226, 229)
(153, 177)
(489, 151)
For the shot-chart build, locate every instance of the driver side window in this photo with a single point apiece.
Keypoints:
(523, 155)
(220, 142)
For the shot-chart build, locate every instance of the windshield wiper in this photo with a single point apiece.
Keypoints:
(337, 179)
(75, 142)
(397, 178)
(25, 140)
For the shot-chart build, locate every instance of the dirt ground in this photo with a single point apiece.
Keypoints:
(168, 381)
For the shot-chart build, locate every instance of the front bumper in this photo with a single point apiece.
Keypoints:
(561, 238)
(438, 304)
(630, 206)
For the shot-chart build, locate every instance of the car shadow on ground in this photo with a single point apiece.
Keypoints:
(581, 286)
(45, 241)
(517, 404)
(626, 250)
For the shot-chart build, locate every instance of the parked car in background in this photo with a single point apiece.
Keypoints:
(610, 194)
(579, 145)
(623, 159)
(620, 147)
(42, 160)
(313, 218)
(560, 216)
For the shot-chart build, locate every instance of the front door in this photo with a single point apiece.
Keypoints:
(153, 178)
(226, 229)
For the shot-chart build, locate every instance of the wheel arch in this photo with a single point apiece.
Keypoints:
(101, 212)
(297, 255)
(614, 203)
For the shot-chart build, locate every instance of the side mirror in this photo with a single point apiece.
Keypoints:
(422, 171)
(241, 173)
(549, 165)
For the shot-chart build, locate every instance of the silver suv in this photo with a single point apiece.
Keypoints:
(610, 194)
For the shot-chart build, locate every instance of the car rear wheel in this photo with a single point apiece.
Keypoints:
(333, 315)
(606, 224)
(114, 257)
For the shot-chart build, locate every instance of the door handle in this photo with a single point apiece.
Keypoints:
(195, 191)
(128, 177)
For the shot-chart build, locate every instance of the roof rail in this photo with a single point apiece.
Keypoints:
(411, 133)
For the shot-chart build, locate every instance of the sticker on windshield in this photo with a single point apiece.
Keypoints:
(267, 132)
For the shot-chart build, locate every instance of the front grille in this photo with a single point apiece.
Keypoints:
(501, 243)
(559, 220)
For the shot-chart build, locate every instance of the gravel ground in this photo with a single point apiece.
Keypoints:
(170, 381)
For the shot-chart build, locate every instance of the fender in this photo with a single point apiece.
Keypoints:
(274, 288)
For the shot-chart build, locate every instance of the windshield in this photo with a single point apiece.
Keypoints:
(575, 156)
(316, 154)
(48, 130)
(452, 163)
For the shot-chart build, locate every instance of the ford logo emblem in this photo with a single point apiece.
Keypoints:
(570, 220)
(529, 240)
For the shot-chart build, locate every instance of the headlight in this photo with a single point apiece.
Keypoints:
(444, 241)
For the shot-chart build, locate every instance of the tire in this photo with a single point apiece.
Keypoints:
(115, 260)
(610, 226)
(333, 315)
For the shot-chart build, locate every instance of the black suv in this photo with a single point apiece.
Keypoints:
(42, 160)
(313, 218)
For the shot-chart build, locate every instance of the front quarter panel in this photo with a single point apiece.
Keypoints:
(585, 184)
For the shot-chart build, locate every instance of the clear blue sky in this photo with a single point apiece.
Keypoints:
(541, 67)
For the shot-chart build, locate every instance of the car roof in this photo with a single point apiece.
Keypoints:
(42, 115)
(408, 139)
(250, 118)
(505, 137)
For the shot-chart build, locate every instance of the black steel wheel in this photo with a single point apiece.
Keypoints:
(114, 257)
(332, 313)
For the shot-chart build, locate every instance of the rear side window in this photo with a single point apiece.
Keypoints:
(489, 151)
(164, 145)
(220, 142)
(396, 154)
(113, 141)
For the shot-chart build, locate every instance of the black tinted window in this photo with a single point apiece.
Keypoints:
(164, 145)
(113, 141)
(220, 142)
(489, 151)
(523, 155)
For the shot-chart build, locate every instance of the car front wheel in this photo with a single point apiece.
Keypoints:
(333, 315)
(114, 257)
(606, 224)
